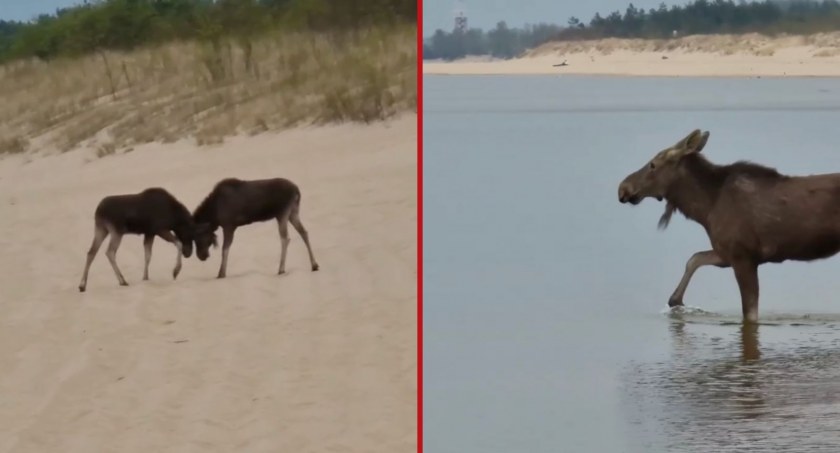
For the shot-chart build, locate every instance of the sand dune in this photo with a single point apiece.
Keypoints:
(702, 55)
(305, 362)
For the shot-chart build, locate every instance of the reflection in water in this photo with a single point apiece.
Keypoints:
(749, 343)
(730, 386)
(724, 389)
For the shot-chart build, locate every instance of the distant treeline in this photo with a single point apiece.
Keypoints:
(127, 24)
(501, 42)
(698, 17)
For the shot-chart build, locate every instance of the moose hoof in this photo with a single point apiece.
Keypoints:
(675, 302)
(81, 289)
(123, 283)
(315, 267)
(281, 272)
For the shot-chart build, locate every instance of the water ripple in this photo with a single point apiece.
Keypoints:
(732, 393)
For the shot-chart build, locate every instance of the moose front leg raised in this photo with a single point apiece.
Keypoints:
(698, 260)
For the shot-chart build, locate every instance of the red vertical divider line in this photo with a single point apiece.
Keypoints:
(419, 226)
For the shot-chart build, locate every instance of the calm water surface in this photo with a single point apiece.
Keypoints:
(546, 323)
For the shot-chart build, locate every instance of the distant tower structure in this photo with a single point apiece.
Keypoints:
(460, 18)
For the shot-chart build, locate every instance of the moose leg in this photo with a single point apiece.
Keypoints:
(283, 227)
(148, 240)
(169, 237)
(227, 232)
(99, 235)
(111, 253)
(746, 273)
(294, 218)
(698, 260)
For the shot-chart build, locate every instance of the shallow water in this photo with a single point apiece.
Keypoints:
(545, 325)
(744, 388)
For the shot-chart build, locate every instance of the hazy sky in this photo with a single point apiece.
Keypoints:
(436, 13)
(27, 9)
(486, 13)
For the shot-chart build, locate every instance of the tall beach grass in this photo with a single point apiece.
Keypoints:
(207, 90)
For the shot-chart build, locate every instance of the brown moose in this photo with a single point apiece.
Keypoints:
(751, 213)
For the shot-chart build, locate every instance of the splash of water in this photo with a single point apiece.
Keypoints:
(686, 310)
(694, 314)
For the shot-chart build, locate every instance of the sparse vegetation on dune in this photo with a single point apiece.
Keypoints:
(207, 90)
(667, 27)
(108, 74)
(823, 45)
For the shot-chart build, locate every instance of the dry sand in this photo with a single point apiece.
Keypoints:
(714, 55)
(305, 362)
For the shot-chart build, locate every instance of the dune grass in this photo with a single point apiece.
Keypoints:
(207, 90)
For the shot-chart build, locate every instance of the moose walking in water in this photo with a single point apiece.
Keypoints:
(752, 214)
(152, 212)
(234, 203)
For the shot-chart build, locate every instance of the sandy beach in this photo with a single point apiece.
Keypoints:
(750, 55)
(304, 362)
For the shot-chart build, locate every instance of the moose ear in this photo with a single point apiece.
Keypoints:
(692, 138)
(699, 144)
(692, 143)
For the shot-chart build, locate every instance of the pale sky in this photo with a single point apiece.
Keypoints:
(28, 9)
(436, 13)
(486, 13)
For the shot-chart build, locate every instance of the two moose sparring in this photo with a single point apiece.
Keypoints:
(232, 203)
